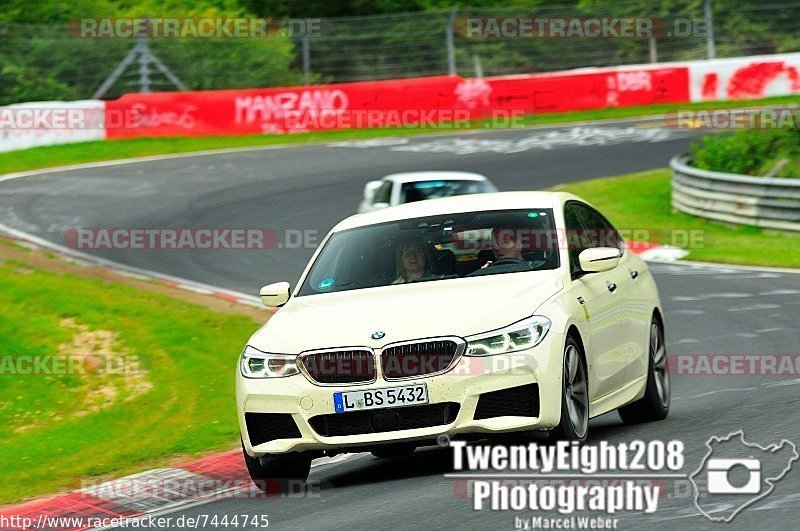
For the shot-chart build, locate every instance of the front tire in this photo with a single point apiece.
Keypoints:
(275, 474)
(654, 405)
(574, 424)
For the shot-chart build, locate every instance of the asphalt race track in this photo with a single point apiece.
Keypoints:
(308, 188)
(717, 310)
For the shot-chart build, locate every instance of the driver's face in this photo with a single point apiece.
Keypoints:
(505, 244)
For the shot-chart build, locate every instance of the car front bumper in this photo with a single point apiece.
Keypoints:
(464, 384)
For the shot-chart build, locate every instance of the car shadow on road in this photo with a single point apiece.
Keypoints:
(366, 470)
(431, 461)
(424, 462)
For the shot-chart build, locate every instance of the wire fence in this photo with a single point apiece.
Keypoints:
(51, 62)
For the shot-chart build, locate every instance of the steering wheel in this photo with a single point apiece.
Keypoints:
(508, 262)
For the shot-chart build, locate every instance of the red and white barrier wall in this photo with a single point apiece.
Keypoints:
(743, 78)
(386, 103)
(27, 125)
(410, 101)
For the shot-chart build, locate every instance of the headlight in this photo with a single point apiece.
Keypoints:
(257, 364)
(518, 336)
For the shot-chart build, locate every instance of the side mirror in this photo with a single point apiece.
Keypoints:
(275, 295)
(599, 259)
(370, 189)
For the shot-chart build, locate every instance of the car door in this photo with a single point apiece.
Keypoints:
(631, 303)
(638, 315)
(603, 304)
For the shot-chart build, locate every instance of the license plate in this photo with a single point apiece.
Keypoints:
(408, 395)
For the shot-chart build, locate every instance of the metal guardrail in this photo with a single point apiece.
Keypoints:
(764, 202)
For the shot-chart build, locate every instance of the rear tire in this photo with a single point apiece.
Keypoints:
(654, 405)
(393, 450)
(574, 424)
(275, 474)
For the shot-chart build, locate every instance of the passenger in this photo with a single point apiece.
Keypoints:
(413, 262)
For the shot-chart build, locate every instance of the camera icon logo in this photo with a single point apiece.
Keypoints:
(719, 476)
(735, 474)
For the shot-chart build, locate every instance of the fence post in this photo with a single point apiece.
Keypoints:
(306, 59)
(710, 49)
(141, 52)
(144, 64)
(450, 42)
(476, 61)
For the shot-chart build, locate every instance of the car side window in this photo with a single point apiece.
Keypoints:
(383, 194)
(598, 231)
(574, 233)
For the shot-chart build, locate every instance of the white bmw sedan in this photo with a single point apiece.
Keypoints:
(408, 187)
(467, 316)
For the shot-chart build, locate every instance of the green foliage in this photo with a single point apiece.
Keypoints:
(25, 83)
(344, 8)
(46, 62)
(405, 38)
(60, 11)
(327, 8)
(53, 11)
(750, 152)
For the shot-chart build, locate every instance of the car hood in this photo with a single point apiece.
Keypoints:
(458, 307)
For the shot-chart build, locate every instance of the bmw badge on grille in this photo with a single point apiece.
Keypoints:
(378, 334)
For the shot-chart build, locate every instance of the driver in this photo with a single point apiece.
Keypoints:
(505, 246)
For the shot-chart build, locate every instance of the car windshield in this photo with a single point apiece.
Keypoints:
(435, 248)
(419, 190)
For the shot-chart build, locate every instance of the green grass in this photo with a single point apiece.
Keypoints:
(43, 157)
(51, 439)
(642, 201)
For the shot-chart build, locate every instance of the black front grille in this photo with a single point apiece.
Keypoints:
(522, 401)
(383, 420)
(265, 427)
(418, 359)
(340, 367)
